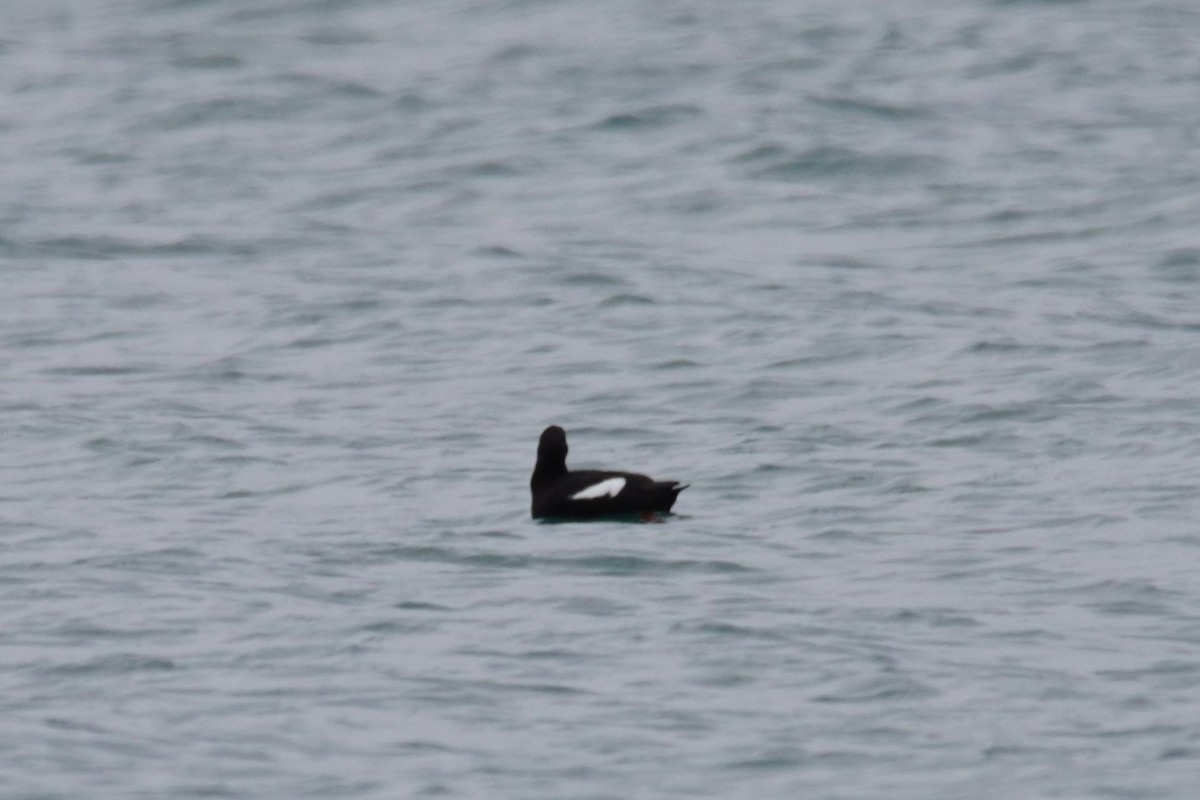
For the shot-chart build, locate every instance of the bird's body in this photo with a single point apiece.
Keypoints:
(589, 494)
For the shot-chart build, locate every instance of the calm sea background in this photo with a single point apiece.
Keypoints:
(909, 292)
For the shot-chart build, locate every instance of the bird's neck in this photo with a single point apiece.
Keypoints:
(545, 473)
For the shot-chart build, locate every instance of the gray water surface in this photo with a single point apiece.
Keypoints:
(909, 292)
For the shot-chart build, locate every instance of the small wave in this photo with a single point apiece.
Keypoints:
(97, 370)
(678, 364)
(415, 605)
(115, 664)
(653, 117)
(774, 162)
(627, 299)
(163, 559)
(875, 690)
(934, 617)
(592, 279)
(1180, 266)
(606, 563)
(782, 760)
(874, 108)
(729, 630)
(103, 248)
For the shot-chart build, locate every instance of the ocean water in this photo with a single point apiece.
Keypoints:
(909, 292)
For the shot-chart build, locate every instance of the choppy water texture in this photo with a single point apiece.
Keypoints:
(908, 291)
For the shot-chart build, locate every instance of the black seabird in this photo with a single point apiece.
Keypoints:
(588, 494)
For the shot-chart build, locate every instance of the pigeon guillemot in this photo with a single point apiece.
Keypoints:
(587, 494)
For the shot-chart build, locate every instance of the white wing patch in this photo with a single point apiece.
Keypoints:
(609, 488)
